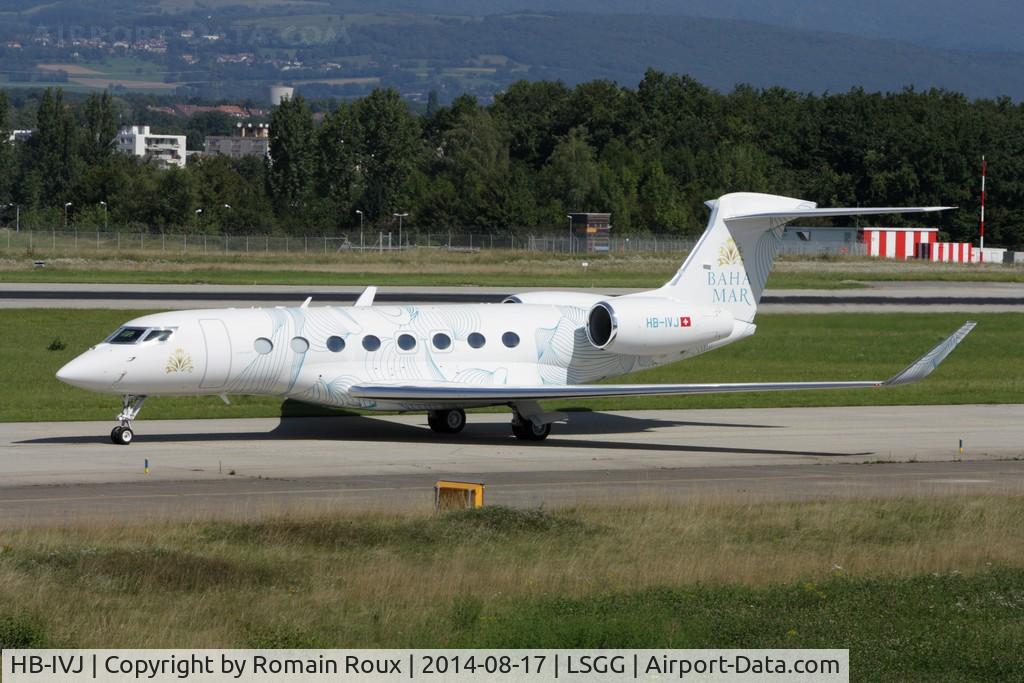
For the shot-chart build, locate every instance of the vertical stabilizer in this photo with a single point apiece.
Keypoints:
(730, 263)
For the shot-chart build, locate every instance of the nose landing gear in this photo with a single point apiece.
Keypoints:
(122, 434)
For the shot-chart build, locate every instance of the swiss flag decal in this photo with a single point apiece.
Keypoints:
(684, 321)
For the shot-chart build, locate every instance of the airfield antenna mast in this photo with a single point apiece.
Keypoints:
(981, 227)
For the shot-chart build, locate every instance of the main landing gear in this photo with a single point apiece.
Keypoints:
(447, 421)
(524, 428)
(122, 434)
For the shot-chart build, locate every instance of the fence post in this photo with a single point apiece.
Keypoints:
(204, 243)
(184, 247)
(119, 241)
(142, 241)
(268, 244)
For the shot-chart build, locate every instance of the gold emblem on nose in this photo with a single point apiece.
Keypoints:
(179, 361)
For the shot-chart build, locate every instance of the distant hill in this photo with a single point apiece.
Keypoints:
(345, 47)
(718, 52)
(981, 25)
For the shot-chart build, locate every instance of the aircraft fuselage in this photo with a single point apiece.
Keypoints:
(316, 354)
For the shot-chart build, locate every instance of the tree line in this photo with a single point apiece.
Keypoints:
(651, 156)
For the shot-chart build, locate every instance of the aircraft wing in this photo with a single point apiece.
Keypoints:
(475, 394)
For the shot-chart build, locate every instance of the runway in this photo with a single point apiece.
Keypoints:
(56, 473)
(990, 297)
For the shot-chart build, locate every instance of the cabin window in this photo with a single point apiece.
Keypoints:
(127, 335)
(158, 335)
(262, 345)
(442, 341)
(476, 340)
(371, 342)
(406, 342)
(335, 344)
(510, 339)
(300, 344)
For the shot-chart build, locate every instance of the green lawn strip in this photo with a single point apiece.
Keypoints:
(988, 367)
(322, 278)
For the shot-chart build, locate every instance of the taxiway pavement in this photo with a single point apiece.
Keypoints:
(56, 473)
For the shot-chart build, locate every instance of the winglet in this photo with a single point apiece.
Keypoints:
(924, 365)
(366, 298)
(305, 304)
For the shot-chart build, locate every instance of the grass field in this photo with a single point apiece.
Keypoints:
(922, 589)
(988, 367)
(78, 259)
(498, 268)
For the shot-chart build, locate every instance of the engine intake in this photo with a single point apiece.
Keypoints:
(654, 326)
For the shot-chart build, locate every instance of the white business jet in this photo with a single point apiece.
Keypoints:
(443, 359)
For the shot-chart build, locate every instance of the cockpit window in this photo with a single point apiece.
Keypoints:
(127, 335)
(158, 335)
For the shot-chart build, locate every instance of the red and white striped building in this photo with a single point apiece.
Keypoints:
(948, 252)
(897, 243)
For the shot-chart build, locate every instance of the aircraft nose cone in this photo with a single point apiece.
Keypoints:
(80, 373)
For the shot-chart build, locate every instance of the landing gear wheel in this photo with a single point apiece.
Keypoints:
(447, 421)
(528, 430)
(122, 436)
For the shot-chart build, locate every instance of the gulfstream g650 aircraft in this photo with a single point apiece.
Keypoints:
(443, 359)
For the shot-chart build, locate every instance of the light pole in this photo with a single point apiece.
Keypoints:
(360, 212)
(17, 216)
(104, 205)
(66, 205)
(196, 222)
(400, 216)
(569, 216)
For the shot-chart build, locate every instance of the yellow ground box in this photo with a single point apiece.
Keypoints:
(457, 495)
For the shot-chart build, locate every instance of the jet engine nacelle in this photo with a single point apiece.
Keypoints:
(654, 326)
(555, 298)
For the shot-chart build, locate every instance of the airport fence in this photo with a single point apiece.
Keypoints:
(98, 241)
(53, 242)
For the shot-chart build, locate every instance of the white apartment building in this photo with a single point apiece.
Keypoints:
(166, 150)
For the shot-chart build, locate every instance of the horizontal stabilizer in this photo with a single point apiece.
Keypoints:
(450, 393)
(793, 214)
